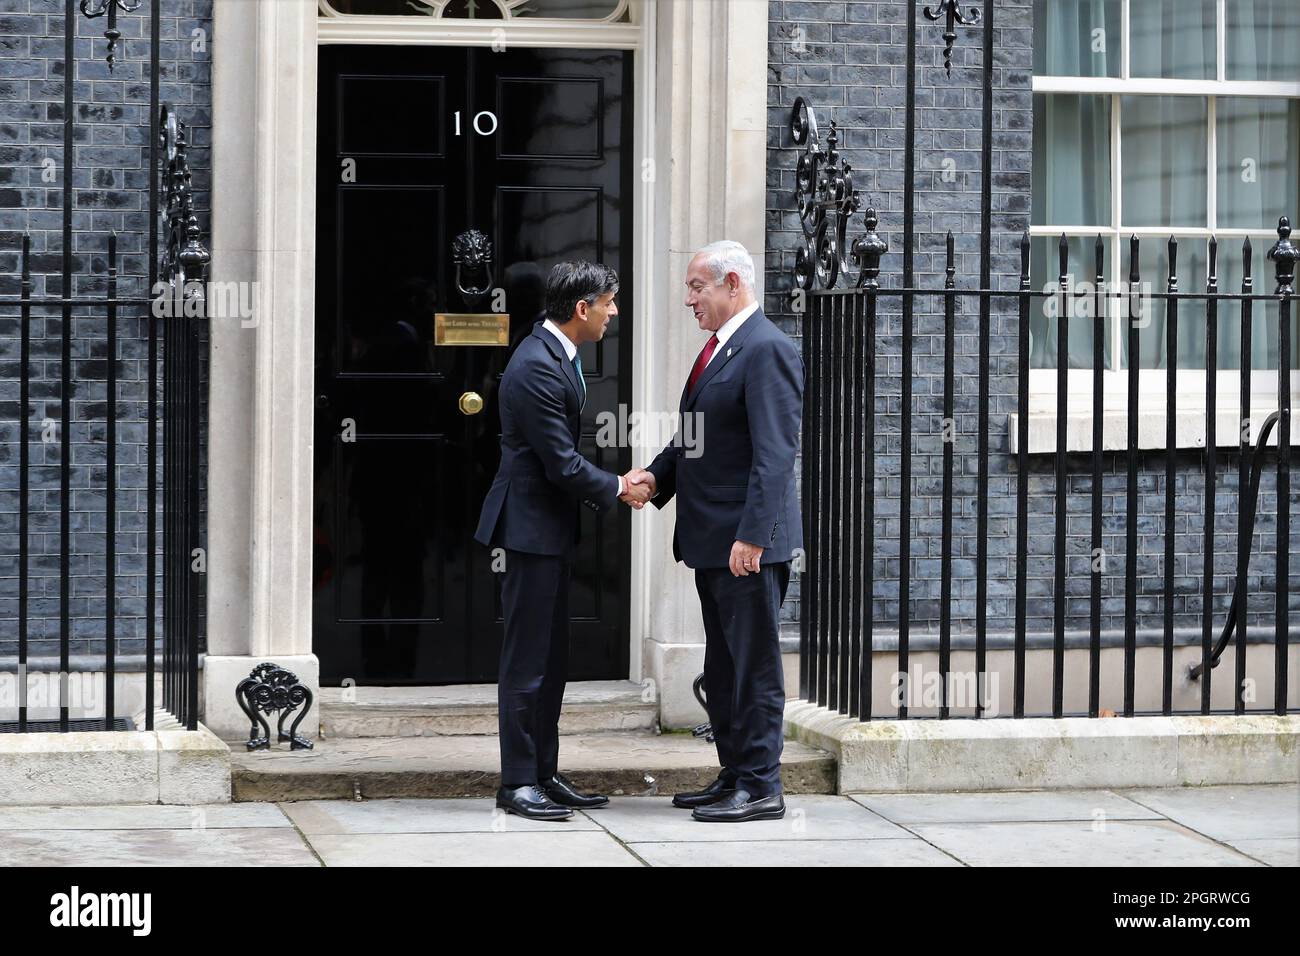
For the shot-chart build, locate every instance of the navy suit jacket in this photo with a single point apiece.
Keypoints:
(748, 405)
(533, 503)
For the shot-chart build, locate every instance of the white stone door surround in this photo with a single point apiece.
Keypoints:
(701, 113)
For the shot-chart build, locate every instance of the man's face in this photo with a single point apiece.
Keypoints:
(597, 317)
(712, 304)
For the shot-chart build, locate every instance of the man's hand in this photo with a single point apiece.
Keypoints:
(638, 488)
(745, 558)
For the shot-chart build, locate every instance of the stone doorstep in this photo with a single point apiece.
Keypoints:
(471, 709)
(469, 766)
(1043, 753)
(90, 768)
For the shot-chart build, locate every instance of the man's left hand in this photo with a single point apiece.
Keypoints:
(745, 558)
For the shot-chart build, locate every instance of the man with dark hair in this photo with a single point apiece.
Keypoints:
(531, 511)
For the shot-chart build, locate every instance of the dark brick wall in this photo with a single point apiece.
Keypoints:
(848, 59)
(110, 189)
(848, 62)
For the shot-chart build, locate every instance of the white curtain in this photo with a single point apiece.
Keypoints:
(1077, 37)
(1173, 38)
(1263, 40)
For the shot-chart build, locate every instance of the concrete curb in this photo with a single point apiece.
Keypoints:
(114, 767)
(1042, 753)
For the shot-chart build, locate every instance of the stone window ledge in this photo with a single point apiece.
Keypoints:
(1152, 423)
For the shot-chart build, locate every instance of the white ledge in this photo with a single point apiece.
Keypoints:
(1043, 753)
(1152, 422)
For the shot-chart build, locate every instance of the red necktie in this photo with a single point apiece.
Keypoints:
(702, 361)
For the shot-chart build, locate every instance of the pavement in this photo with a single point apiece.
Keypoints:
(1191, 826)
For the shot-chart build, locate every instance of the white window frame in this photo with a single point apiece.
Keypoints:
(1152, 383)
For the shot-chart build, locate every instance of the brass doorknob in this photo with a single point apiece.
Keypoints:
(471, 403)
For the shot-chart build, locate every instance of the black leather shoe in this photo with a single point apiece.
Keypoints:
(532, 803)
(710, 794)
(562, 792)
(739, 806)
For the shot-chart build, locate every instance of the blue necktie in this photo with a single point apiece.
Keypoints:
(582, 383)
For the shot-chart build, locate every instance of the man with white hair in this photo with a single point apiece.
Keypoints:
(738, 524)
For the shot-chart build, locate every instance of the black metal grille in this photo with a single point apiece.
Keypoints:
(840, 498)
(54, 726)
(174, 421)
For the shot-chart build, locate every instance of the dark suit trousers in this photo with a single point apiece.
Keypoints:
(743, 681)
(534, 665)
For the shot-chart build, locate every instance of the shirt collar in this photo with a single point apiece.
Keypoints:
(569, 348)
(732, 324)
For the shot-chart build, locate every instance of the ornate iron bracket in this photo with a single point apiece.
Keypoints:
(93, 9)
(272, 688)
(705, 729)
(826, 198)
(953, 10)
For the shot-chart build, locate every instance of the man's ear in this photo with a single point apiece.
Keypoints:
(581, 309)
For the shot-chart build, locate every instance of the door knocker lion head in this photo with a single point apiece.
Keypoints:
(471, 252)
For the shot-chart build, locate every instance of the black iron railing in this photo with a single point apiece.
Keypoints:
(842, 497)
(184, 345)
(176, 265)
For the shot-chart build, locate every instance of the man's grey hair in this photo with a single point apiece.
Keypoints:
(725, 256)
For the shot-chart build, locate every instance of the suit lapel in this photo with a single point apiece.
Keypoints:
(729, 351)
(557, 350)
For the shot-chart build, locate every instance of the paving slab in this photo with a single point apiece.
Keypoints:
(148, 816)
(1013, 806)
(340, 817)
(1115, 843)
(1275, 852)
(256, 846)
(807, 817)
(789, 853)
(1229, 812)
(574, 848)
(1210, 826)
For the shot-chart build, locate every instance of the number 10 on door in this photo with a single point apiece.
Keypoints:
(481, 120)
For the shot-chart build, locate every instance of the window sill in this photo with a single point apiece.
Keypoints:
(1190, 429)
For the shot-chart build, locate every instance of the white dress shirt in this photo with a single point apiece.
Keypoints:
(730, 326)
(571, 350)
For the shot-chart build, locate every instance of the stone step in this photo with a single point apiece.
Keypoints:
(471, 709)
(343, 768)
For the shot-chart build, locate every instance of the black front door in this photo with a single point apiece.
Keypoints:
(419, 146)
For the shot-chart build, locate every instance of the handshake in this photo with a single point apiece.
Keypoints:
(638, 488)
